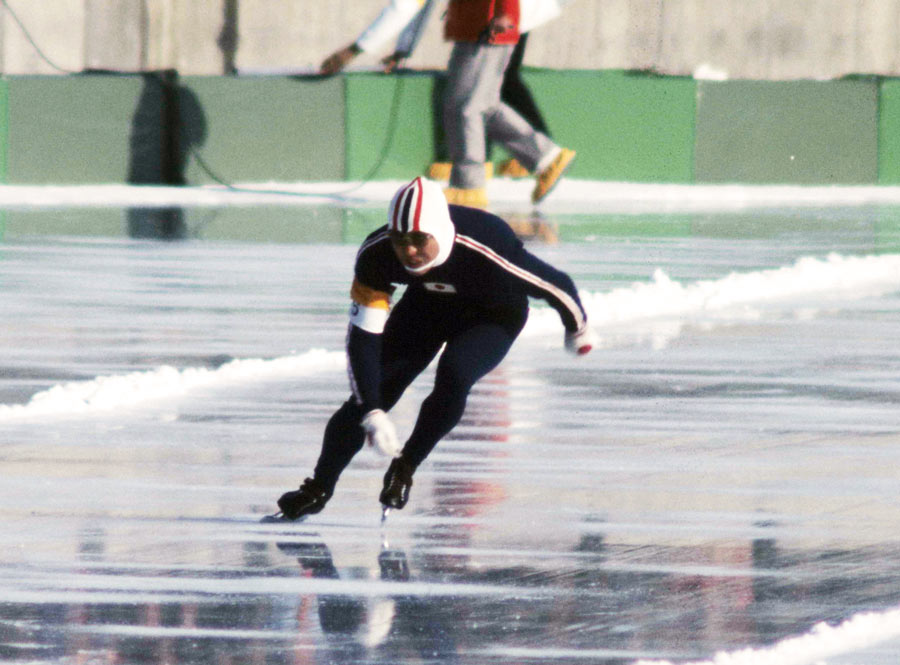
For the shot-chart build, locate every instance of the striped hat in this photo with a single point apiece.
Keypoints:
(421, 206)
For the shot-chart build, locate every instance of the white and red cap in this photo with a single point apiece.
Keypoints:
(421, 206)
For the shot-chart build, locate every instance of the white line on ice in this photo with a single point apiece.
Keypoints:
(180, 631)
(36, 583)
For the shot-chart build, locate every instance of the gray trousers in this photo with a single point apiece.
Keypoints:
(474, 113)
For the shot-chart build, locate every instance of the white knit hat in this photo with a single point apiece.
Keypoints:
(421, 206)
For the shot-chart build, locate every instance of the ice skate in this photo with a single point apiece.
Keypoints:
(397, 482)
(308, 500)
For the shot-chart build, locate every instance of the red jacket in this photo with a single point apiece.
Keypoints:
(467, 20)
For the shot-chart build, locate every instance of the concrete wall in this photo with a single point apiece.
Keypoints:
(741, 39)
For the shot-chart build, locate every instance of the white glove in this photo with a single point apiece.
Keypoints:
(581, 341)
(380, 433)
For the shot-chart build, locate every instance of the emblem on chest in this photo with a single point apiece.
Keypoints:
(439, 287)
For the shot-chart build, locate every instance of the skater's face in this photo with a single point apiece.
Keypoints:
(414, 249)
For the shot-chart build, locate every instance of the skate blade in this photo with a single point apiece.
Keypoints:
(385, 511)
(279, 518)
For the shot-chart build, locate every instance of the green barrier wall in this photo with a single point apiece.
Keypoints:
(159, 129)
(78, 129)
(625, 126)
(391, 126)
(260, 129)
(4, 144)
(4, 127)
(801, 132)
(889, 132)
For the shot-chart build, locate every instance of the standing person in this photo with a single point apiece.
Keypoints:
(404, 17)
(468, 282)
(516, 94)
(513, 91)
(485, 33)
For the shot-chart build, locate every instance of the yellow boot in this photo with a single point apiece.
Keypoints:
(441, 170)
(511, 168)
(550, 176)
(475, 197)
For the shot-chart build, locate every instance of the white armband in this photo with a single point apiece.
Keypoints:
(370, 319)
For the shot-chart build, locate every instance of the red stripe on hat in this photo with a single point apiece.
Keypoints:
(418, 183)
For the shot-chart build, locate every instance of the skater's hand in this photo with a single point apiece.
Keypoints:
(380, 433)
(581, 341)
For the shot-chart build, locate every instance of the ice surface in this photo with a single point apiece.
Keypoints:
(717, 483)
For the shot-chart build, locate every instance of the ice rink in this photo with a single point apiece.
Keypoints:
(719, 482)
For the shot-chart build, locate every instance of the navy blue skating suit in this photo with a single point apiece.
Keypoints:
(476, 302)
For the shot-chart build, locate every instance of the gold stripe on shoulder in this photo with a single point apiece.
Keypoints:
(369, 297)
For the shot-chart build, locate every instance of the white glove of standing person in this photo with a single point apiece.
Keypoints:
(581, 341)
(380, 433)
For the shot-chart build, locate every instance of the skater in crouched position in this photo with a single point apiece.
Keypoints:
(468, 281)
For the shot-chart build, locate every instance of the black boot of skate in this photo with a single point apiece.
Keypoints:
(308, 500)
(397, 482)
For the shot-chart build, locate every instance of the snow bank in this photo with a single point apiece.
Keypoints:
(858, 633)
(107, 393)
(834, 277)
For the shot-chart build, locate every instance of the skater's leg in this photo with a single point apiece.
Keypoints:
(342, 440)
(467, 357)
(407, 349)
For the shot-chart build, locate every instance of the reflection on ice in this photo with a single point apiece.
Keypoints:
(599, 602)
(720, 477)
